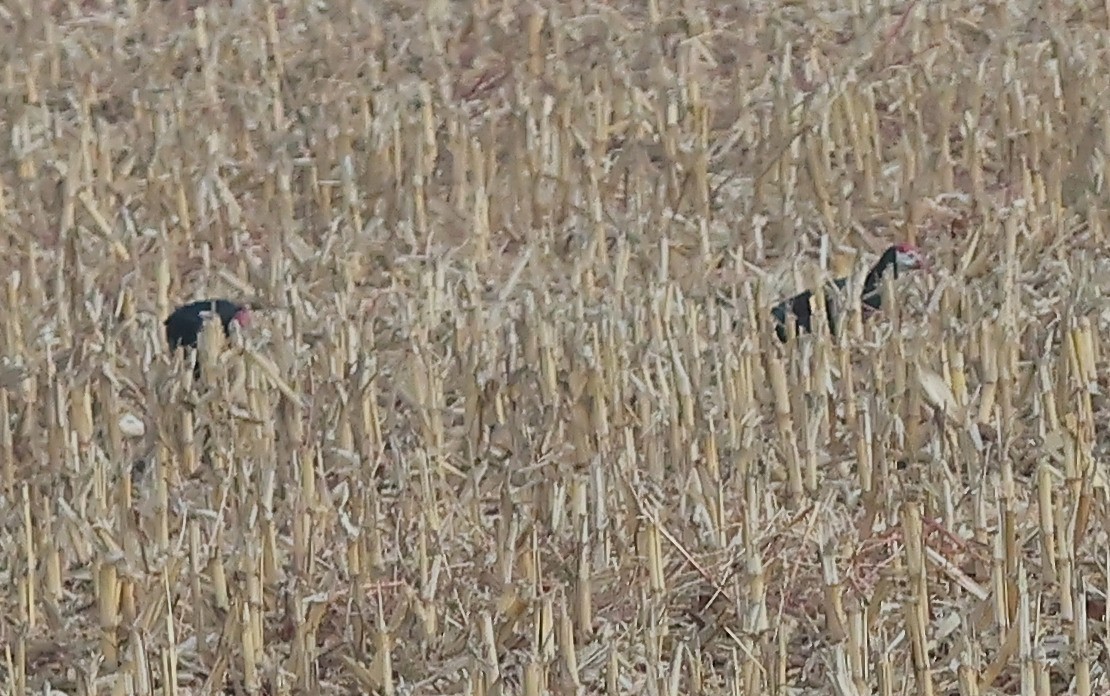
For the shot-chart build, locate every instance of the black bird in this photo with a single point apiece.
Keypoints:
(184, 324)
(183, 327)
(899, 257)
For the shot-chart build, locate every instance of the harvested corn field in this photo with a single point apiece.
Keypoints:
(511, 413)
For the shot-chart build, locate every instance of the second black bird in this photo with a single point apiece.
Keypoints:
(899, 257)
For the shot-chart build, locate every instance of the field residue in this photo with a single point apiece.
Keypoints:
(511, 417)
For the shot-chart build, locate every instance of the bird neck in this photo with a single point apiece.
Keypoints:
(875, 275)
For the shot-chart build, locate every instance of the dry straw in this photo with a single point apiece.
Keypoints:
(512, 417)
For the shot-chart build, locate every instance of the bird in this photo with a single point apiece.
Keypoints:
(898, 257)
(184, 324)
(183, 327)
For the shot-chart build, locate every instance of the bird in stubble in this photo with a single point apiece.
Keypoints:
(183, 327)
(184, 324)
(899, 257)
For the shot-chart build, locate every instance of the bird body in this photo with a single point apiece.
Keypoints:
(184, 324)
(895, 258)
(183, 327)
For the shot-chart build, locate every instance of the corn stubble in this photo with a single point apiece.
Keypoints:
(514, 419)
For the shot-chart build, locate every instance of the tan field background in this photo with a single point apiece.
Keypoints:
(510, 417)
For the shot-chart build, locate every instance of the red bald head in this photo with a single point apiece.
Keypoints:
(242, 317)
(908, 257)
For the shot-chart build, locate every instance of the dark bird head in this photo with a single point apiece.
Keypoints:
(184, 324)
(896, 258)
(906, 257)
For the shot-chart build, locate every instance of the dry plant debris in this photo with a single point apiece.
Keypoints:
(511, 416)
